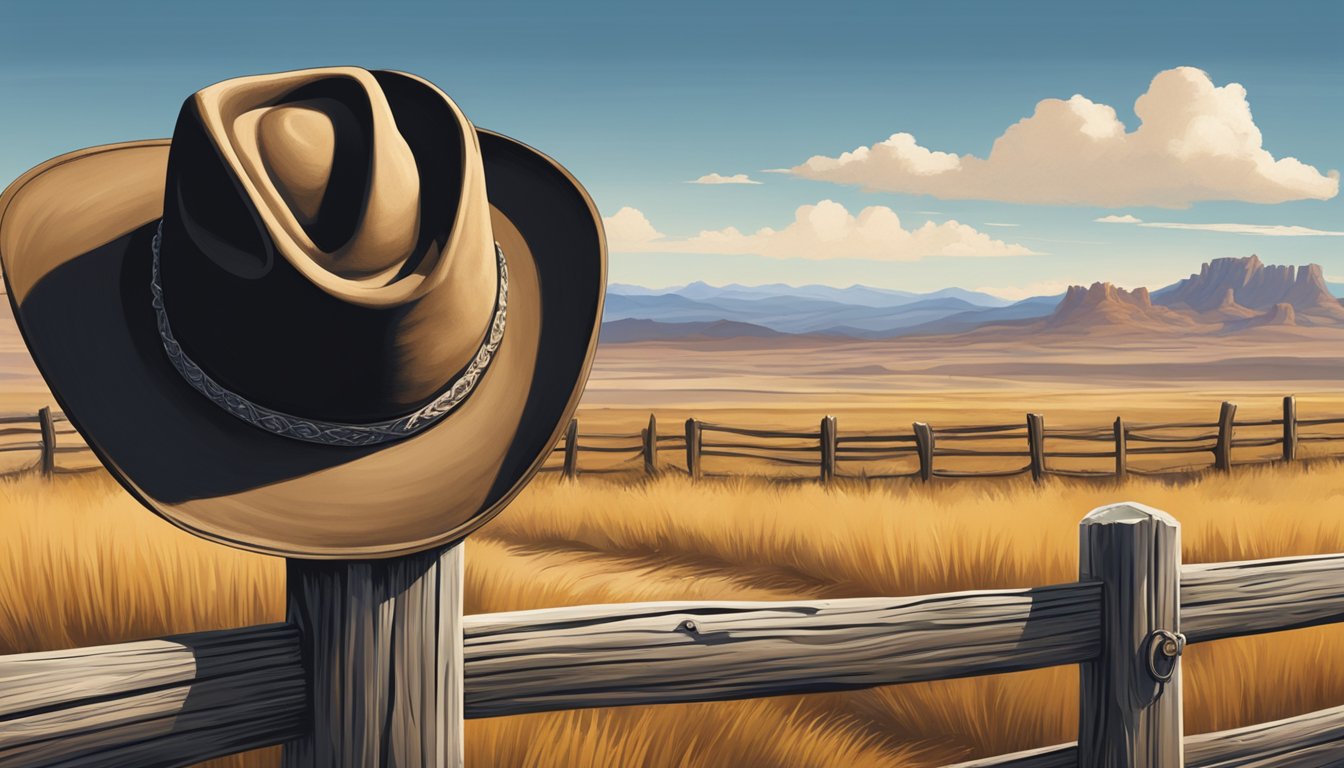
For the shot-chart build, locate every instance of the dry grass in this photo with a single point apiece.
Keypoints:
(82, 564)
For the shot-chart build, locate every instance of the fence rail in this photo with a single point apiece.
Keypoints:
(192, 697)
(835, 454)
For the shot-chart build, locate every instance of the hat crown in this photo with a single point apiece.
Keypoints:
(298, 145)
(326, 241)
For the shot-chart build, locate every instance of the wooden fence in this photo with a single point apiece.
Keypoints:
(833, 454)
(1125, 623)
(42, 431)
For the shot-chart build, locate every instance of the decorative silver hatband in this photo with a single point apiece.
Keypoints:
(328, 432)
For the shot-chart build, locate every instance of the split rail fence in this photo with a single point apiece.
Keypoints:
(40, 433)
(927, 452)
(377, 666)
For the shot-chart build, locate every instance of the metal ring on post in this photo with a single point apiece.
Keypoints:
(1170, 645)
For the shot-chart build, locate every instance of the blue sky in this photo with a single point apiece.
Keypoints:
(638, 99)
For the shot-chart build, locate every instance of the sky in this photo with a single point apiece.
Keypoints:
(916, 146)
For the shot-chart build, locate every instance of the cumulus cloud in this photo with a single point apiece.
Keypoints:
(1195, 141)
(826, 230)
(1267, 230)
(629, 230)
(714, 178)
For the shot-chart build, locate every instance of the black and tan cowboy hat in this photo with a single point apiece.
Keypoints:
(330, 318)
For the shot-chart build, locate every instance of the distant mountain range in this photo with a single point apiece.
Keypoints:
(1226, 296)
(858, 295)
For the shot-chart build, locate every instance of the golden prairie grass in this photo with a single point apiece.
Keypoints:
(82, 564)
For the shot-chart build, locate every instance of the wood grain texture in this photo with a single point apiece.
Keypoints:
(382, 645)
(1222, 452)
(651, 446)
(1058, 756)
(924, 447)
(1313, 740)
(693, 449)
(1036, 445)
(1289, 428)
(572, 449)
(1234, 599)
(828, 447)
(1121, 449)
(1126, 717)
(184, 699)
(165, 702)
(48, 429)
(594, 656)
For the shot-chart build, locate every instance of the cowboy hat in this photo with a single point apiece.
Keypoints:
(329, 318)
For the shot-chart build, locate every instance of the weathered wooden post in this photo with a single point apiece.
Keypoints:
(924, 447)
(1121, 450)
(1289, 428)
(572, 449)
(651, 446)
(1036, 445)
(48, 460)
(1130, 695)
(1222, 452)
(382, 646)
(828, 444)
(693, 448)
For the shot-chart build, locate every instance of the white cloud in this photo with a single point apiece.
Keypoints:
(826, 230)
(1196, 141)
(1267, 230)
(629, 230)
(999, 224)
(714, 178)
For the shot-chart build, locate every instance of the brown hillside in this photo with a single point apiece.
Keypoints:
(1105, 308)
(1256, 286)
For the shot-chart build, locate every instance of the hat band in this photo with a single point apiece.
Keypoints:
(330, 432)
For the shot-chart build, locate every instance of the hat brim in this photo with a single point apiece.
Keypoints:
(75, 238)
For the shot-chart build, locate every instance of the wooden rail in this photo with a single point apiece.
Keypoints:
(188, 698)
(834, 454)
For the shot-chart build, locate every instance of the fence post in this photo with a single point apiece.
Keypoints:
(1036, 445)
(924, 447)
(1289, 428)
(651, 446)
(48, 460)
(828, 443)
(572, 449)
(382, 644)
(1127, 716)
(693, 448)
(1121, 450)
(1222, 452)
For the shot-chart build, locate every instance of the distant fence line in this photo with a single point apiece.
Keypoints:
(828, 450)
(47, 427)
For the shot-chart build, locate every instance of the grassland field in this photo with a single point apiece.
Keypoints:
(81, 563)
